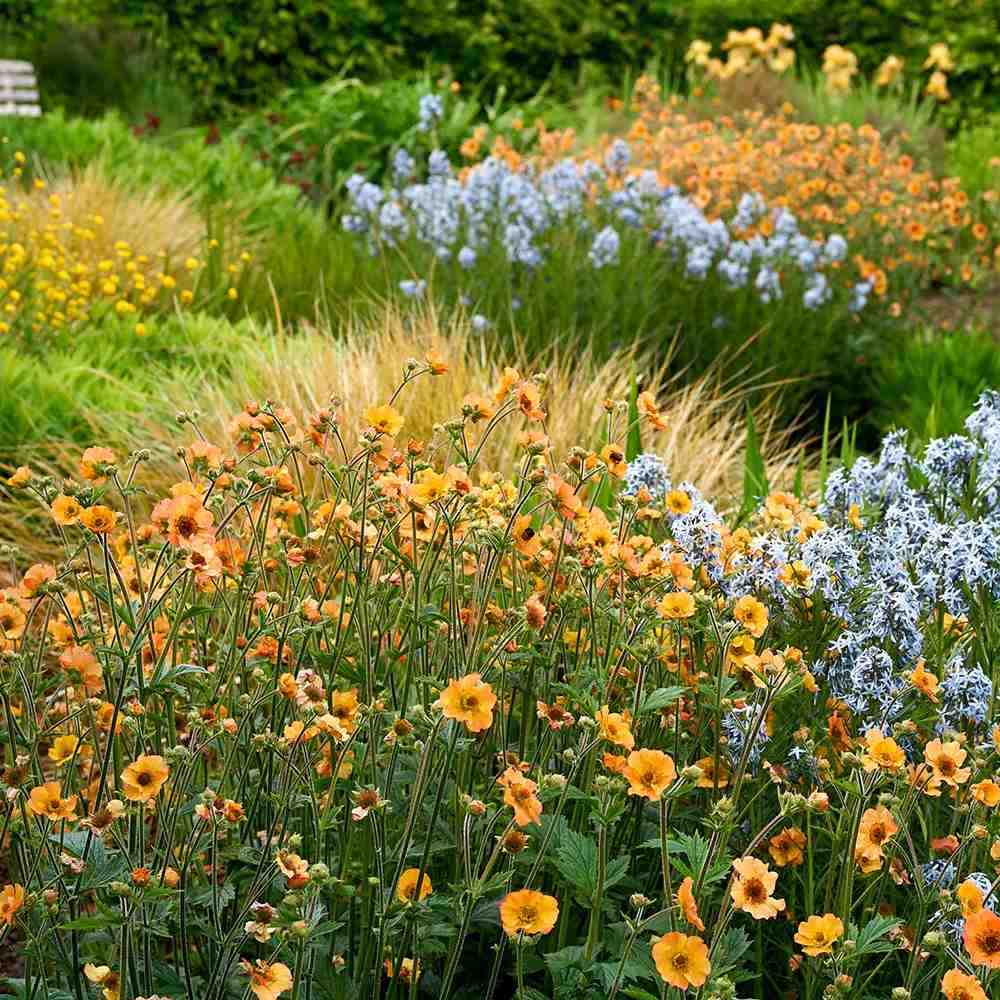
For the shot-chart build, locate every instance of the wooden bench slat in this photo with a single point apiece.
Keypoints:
(16, 65)
(9, 94)
(20, 110)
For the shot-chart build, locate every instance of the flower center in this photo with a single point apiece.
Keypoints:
(755, 891)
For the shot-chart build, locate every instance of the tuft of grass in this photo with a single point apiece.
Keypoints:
(125, 394)
(931, 383)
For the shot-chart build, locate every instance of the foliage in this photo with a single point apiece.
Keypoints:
(929, 384)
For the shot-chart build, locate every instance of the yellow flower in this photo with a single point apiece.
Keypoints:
(678, 502)
(676, 605)
(469, 700)
(144, 777)
(752, 889)
(939, 57)
(882, 752)
(681, 960)
(752, 615)
(406, 889)
(889, 71)
(384, 419)
(817, 934)
(649, 773)
(528, 912)
(63, 748)
(937, 86)
(970, 897)
(429, 487)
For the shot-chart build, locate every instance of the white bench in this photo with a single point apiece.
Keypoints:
(18, 89)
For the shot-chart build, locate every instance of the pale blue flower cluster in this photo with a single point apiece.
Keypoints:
(910, 538)
(532, 215)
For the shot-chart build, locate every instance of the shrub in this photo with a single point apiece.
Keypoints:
(364, 718)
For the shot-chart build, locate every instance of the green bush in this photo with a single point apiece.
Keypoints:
(930, 384)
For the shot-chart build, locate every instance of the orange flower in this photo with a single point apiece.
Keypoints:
(613, 456)
(982, 939)
(65, 510)
(649, 773)
(957, 985)
(681, 960)
(924, 681)
(99, 519)
(528, 912)
(987, 792)
(469, 700)
(268, 980)
(785, 847)
(144, 777)
(406, 889)
(752, 889)
(519, 794)
(817, 934)
(946, 759)
(882, 752)
(11, 900)
(876, 828)
(688, 904)
(970, 896)
(616, 727)
(47, 801)
(92, 462)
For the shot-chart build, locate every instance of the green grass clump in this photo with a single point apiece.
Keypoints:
(930, 384)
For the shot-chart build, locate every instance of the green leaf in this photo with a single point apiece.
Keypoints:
(754, 469)
(873, 938)
(576, 859)
(732, 947)
(660, 698)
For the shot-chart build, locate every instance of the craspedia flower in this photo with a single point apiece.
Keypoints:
(649, 773)
(528, 912)
(818, 934)
(681, 960)
(469, 700)
(144, 777)
(406, 889)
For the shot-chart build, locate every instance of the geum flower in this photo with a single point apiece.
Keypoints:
(528, 912)
(753, 887)
(268, 980)
(469, 700)
(519, 794)
(649, 773)
(818, 934)
(982, 939)
(681, 960)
